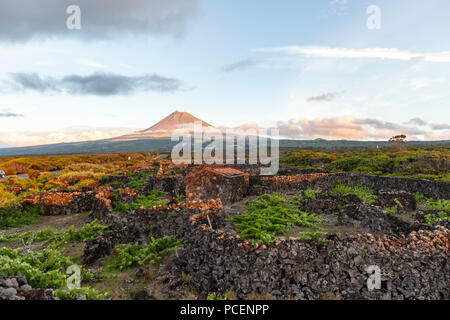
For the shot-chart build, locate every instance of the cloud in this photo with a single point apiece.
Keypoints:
(241, 65)
(21, 20)
(355, 129)
(337, 7)
(72, 134)
(367, 53)
(6, 114)
(90, 63)
(440, 126)
(417, 121)
(101, 84)
(330, 96)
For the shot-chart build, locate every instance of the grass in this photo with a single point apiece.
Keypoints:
(363, 192)
(270, 216)
(133, 255)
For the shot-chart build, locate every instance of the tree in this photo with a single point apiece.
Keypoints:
(398, 140)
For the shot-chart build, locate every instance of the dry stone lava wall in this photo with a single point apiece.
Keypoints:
(415, 266)
(432, 189)
(62, 203)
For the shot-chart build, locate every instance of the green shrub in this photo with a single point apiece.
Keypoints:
(43, 269)
(439, 204)
(55, 239)
(392, 210)
(309, 194)
(216, 296)
(132, 255)
(432, 219)
(420, 197)
(432, 204)
(363, 192)
(91, 294)
(148, 201)
(138, 180)
(270, 216)
(316, 236)
(12, 217)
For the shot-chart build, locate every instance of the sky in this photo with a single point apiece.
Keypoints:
(313, 69)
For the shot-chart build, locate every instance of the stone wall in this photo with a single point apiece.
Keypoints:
(139, 226)
(433, 189)
(228, 184)
(61, 203)
(174, 185)
(415, 266)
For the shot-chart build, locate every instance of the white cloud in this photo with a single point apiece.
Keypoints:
(419, 83)
(366, 53)
(90, 63)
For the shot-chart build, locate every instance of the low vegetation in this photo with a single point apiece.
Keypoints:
(43, 269)
(55, 239)
(363, 192)
(432, 219)
(432, 204)
(151, 199)
(424, 163)
(14, 217)
(441, 205)
(270, 216)
(133, 255)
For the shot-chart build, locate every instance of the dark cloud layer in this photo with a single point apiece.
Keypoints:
(327, 97)
(101, 84)
(21, 20)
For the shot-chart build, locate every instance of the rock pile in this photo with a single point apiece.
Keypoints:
(17, 288)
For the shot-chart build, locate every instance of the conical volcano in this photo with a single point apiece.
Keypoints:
(175, 121)
(165, 127)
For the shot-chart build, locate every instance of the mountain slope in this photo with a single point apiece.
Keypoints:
(165, 127)
(174, 121)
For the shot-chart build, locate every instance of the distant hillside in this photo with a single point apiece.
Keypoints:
(2, 145)
(157, 139)
(166, 145)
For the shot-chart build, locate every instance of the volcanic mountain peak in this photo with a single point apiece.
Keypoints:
(165, 127)
(174, 121)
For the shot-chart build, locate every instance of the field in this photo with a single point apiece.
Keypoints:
(138, 227)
